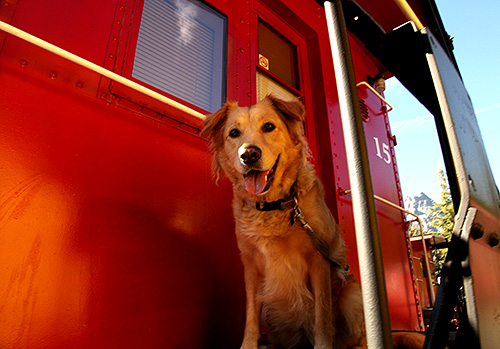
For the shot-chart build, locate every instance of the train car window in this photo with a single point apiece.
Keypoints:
(278, 68)
(181, 50)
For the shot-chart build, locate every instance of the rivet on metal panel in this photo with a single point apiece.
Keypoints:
(493, 239)
(23, 63)
(5, 3)
(471, 182)
(53, 75)
(477, 231)
(79, 84)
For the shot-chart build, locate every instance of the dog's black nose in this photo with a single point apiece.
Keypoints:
(251, 155)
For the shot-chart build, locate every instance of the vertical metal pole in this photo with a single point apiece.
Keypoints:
(378, 326)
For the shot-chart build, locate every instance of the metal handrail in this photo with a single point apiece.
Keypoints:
(409, 13)
(427, 266)
(376, 93)
(426, 256)
(96, 68)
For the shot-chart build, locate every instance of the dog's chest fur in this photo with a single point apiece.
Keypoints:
(283, 250)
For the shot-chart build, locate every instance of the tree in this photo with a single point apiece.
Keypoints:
(443, 218)
(443, 214)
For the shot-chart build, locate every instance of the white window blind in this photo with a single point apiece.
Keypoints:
(266, 85)
(181, 50)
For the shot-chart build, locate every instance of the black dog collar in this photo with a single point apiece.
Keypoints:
(281, 204)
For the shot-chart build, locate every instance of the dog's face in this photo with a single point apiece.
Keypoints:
(259, 148)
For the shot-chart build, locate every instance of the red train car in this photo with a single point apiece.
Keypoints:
(113, 232)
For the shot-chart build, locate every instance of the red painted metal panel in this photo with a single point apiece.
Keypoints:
(113, 233)
(79, 27)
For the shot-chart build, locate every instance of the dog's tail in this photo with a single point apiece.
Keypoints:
(408, 340)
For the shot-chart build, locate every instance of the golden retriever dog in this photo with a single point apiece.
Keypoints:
(295, 265)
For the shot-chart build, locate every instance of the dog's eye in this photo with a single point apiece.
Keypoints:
(234, 133)
(268, 127)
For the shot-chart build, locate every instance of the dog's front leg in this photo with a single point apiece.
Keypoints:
(253, 307)
(322, 292)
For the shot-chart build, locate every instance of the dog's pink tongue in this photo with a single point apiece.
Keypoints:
(255, 182)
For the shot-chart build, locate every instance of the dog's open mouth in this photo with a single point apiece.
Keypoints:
(258, 182)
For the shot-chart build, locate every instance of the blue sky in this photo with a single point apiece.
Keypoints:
(476, 30)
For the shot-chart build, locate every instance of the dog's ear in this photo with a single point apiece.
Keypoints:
(213, 128)
(292, 112)
(214, 123)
